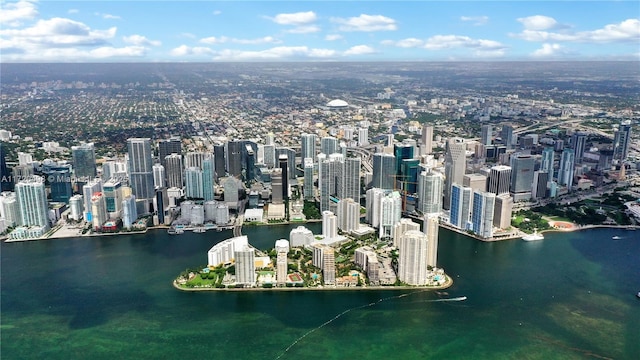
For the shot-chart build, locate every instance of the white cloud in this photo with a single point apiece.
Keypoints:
(217, 12)
(212, 40)
(333, 37)
(366, 22)
(476, 20)
(12, 14)
(439, 42)
(58, 32)
(276, 53)
(299, 18)
(306, 29)
(548, 50)
(359, 50)
(77, 55)
(108, 16)
(184, 50)
(626, 31)
(73, 11)
(405, 43)
(538, 22)
(140, 40)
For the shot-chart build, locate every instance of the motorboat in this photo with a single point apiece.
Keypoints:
(616, 237)
(533, 237)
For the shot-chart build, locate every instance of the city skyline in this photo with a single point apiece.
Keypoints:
(76, 31)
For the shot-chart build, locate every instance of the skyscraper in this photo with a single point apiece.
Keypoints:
(431, 230)
(98, 210)
(174, 170)
(390, 214)
(159, 176)
(6, 183)
(502, 211)
(32, 202)
(60, 181)
(499, 179)
(309, 192)
(245, 266)
(193, 183)
(112, 193)
(540, 180)
(455, 164)
(384, 171)
(194, 159)
(276, 186)
(141, 167)
(475, 181)
(547, 161)
(166, 147)
(578, 142)
(427, 140)
(329, 225)
(348, 214)
(485, 134)
(308, 146)
(328, 145)
(84, 162)
(507, 136)
(373, 202)
(208, 178)
(565, 172)
(291, 160)
(350, 179)
(461, 200)
(129, 211)
(621, 141)
(413, 257)
(363, 136)
(430, 186)
(218, 154)
(88, 190)
(482, 215)
(282, 248)
(283, 164)
(329, 174)
(402, 227)
(234, 158)
(522, 167)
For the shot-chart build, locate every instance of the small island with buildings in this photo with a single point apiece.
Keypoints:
(359, 260)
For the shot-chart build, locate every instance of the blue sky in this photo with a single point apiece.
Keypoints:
(184, 31)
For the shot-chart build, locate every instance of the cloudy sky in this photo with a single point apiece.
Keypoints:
(179, 31)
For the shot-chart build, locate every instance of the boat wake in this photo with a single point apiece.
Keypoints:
(459, 298)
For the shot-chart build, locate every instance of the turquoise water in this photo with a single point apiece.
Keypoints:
(568, 296)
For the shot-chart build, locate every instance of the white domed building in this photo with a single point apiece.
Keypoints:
(337, 104)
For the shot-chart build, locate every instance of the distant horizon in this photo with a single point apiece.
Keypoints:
(317, 31)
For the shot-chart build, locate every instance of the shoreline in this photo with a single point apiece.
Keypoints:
(448, 283)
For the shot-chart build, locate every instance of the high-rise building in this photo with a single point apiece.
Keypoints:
(234, 158)
(324, 258)
(194, 188)
(250, 163)
(6, 182)
(32, 202)
(141, 167)
(461, 201)
(84, 162)
(291, 161)
(373, 200)
(194, 159)
(621, 141)
(475, 181)
(159, 176)
(329, 225)
(402, 152)
(363, 136)
(402, 227)
(301, 236)
(413, 256)
(88, 190)
(232, 188)
(499, 179)
(282, 249)
(98, 211)
(10, 209)
(308, 146)
(112, 193)
(129, 211)
(390, 214)
(161, 202)
(384, 171)
(430, 187)
(408, 180)
(485, 134)
(308, 189)
(60, 181)
(329, 174)
(522, 168)
(283, 164)
(502, 211)
(270, 156)
(455, 164)
(276, 186)
(540, 180)
(166, 147)
(348, 214)
(350, 180)
(431, 229)
(220, 163)
(482, 214)
(174, 170)
(578, 142)
(328, 145)
(507, 136)
(76, 207)
(208, 178)
(547, 161)
(565, 172)
(245, 266)
(427, 140)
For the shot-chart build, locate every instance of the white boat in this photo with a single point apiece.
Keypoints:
(533, 237)
(616, 237)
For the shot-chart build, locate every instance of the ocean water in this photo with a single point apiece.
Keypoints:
(570, 296)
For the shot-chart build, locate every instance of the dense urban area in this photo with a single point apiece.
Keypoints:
(383, 154)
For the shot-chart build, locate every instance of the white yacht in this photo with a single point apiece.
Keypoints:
(533, 237)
